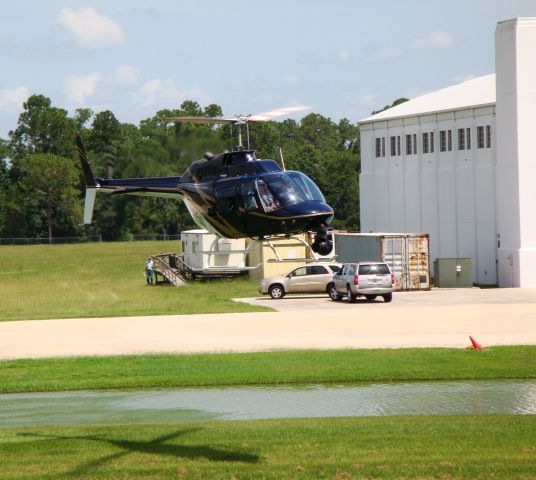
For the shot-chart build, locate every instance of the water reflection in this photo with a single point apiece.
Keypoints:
(237, 403)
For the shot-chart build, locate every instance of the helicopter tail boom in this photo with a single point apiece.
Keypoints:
(156, 186)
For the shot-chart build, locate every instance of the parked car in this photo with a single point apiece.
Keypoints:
(367, 279)
(311, 278)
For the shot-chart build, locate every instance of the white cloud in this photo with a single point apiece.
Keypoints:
(90, 29)
(343, 56)
(433, 42)
(384, 55)
(164, 91)
(78, 88)
(293, 79)
(125, 75)
(11, 99)
(366, 100)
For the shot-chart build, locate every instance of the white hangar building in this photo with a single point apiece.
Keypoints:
(460, 164)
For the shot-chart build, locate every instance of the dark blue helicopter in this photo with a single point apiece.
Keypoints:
(233, 195)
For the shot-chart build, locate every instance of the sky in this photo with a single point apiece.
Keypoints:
(342, 58)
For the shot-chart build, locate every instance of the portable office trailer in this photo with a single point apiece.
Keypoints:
(196, 250)
(406, 253)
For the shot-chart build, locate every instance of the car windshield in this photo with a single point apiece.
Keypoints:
(277, 190)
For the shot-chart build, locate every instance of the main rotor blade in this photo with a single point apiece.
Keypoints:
(239, 119)
(203, 120)
(261, 117)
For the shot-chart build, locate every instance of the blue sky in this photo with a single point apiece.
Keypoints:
(343, 58)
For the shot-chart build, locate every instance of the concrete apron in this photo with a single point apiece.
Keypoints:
(375, 325)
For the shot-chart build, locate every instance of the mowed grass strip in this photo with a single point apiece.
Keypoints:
(305, 366)
(101, 280)
(453, 447)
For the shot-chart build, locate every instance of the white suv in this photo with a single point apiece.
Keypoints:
(367, 279)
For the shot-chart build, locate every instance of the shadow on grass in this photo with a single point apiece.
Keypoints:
(157, 446)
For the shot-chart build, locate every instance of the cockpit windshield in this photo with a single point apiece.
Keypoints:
(312, 192)
(277, 190)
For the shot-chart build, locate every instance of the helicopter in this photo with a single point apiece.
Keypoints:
(233, 194)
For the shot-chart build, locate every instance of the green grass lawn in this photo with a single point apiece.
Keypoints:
(316, 366)
(103, 279)
(452, 447)
(107, 280)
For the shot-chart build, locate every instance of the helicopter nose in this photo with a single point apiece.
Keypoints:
(311, 207)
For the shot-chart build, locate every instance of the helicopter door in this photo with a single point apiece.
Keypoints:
(249, 203)
(227, 206)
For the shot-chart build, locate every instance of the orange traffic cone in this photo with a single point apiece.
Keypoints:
(476, 345)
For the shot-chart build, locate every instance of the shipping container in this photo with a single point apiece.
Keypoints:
(408, 255)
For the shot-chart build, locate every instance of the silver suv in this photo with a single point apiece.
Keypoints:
(367, 279)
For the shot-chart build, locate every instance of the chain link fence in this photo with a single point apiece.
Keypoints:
(86, 239)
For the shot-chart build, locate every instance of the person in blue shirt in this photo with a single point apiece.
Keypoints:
(149, 271)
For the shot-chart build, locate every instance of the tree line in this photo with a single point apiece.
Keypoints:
(41, 186)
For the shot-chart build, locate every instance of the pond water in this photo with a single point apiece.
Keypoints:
(249, 403)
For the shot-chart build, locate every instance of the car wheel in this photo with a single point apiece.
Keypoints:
(387, 297)
(370, 298)
(350, 296)
(332, 292)
(276, 292)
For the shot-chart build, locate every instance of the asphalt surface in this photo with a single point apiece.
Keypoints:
(436, 318)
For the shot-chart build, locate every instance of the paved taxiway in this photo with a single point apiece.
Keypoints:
(437, 318)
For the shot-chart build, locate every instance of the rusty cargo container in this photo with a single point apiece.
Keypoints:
(408, 255)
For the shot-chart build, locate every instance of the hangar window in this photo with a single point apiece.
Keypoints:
(411, 144)
(449, 142)
(395, 146)
(443, 141)
(488, 136)
(428, 142)
(380, 147)
(409, 147)
(468, 138)
(479, 137)
(461, 138)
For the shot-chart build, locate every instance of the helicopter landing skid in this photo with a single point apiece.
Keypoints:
(271, 242)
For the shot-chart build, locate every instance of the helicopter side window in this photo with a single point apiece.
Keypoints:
(226, 199)
(249, 201)
(269, 201)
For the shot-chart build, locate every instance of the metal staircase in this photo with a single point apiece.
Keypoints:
(171, 268)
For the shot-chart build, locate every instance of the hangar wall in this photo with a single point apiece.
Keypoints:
(515, 41)
(447, 194)
(474, 202)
